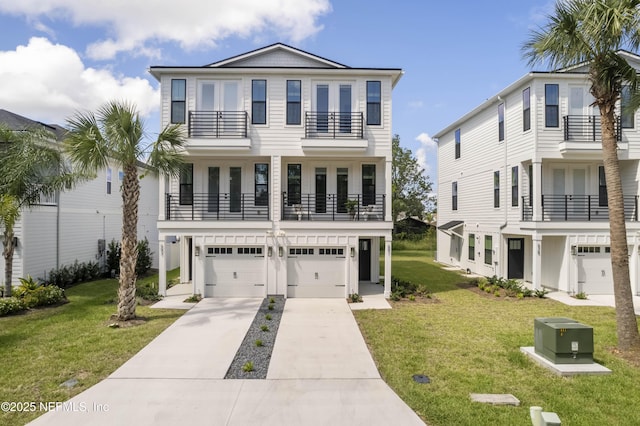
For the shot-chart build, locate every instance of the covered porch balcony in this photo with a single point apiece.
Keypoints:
(213, 207)
(577, 208)
(333, 207)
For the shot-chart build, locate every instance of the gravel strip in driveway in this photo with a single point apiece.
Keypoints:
(260, 356)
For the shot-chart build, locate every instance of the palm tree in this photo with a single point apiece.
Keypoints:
(116, 134)
(31, 166)
(594, 33)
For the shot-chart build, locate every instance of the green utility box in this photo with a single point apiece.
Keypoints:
(563, 340)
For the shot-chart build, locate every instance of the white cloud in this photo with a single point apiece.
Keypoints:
(426, 144)
(49, 82)
(416, 104)
(138, 25)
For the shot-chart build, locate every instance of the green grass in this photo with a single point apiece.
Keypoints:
(41, 349)
(467, 343)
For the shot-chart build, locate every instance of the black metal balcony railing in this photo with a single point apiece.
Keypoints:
(234, 207)
(586, 128)
(333, 125)
(331, 207)
(218, 124)
(585, 208)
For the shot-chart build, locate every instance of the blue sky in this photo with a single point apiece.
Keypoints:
(60, 56)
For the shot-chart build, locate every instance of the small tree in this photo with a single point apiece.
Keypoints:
(410, 187)
(116, 134)
(594, 33)
(31, 166)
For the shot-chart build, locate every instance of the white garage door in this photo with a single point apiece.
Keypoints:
(316, 272)
(594, 270)
(235, 271)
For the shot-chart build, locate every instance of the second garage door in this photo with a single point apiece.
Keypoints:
(594, 270)
(234, 272)
(316, 272)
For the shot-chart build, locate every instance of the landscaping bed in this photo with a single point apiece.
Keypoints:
(252, 358)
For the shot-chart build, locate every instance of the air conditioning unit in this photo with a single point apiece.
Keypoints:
(563, 340)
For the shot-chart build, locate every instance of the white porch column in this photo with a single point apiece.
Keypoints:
(537, 192)
(162, 267)
(162, 198)
(387, 267)
(536, 262)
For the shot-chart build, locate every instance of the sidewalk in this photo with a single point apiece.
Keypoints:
(592, 300)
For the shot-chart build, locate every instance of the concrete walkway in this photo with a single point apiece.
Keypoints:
(591, 300)
(321, 373)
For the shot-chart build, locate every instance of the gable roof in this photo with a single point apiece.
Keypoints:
(274, 59)
(19, 123)
(261, 57)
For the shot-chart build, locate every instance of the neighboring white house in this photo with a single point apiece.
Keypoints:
(521, 187)
(278, 141)
(78, 224)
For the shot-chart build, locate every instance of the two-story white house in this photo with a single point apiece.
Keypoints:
(288, 184)
(77, 224)
(521, 188)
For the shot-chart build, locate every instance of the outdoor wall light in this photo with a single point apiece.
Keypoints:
(353, 252)
(270, 251)
(280, 251)
(574, 250)
(197, 252)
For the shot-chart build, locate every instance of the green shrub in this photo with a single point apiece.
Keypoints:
(247, 367)
(355, 298)
(68, 275)
(582, 295)
(148, 291)
(395, 296)
(194, 298)
(32, 294)
(11, 305)
(113, 257)
(145, 257)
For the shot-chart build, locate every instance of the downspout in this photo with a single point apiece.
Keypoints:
(58, 231)
(506, 180)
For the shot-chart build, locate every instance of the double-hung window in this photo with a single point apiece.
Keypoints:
(294, 98)
(186, 185)
(488, 249)
(368, 184)
(259, 102)
(496, 189)
(294, 184)
(501, 122)
(551, 105)
(603, 200)
(526, 109)
(178, 101)
(261, 184)
(457, 136)
(472, 247)
(514, 186)
(454, 196)
(626, 115)
(374, 98)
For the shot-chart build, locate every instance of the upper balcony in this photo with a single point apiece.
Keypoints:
(334, 130)
(229, 128)
(577, 208)
(583, 133)
(216, 207)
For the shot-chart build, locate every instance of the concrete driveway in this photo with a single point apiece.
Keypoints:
(321, 373)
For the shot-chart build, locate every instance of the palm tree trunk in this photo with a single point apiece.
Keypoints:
(7, 253)
(627, 326)
(129, 253)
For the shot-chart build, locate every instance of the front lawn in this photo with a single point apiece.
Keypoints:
(466, 343)
(43, 348)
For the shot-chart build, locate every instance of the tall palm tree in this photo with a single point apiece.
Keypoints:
(594, 33)
(31, 166)
(116, 134)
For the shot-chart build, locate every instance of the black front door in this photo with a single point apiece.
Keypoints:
(516, 258)
(364, 261)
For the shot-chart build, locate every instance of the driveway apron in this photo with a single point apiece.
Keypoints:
(321, 373)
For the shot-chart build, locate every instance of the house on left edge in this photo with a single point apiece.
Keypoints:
(77, 224)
